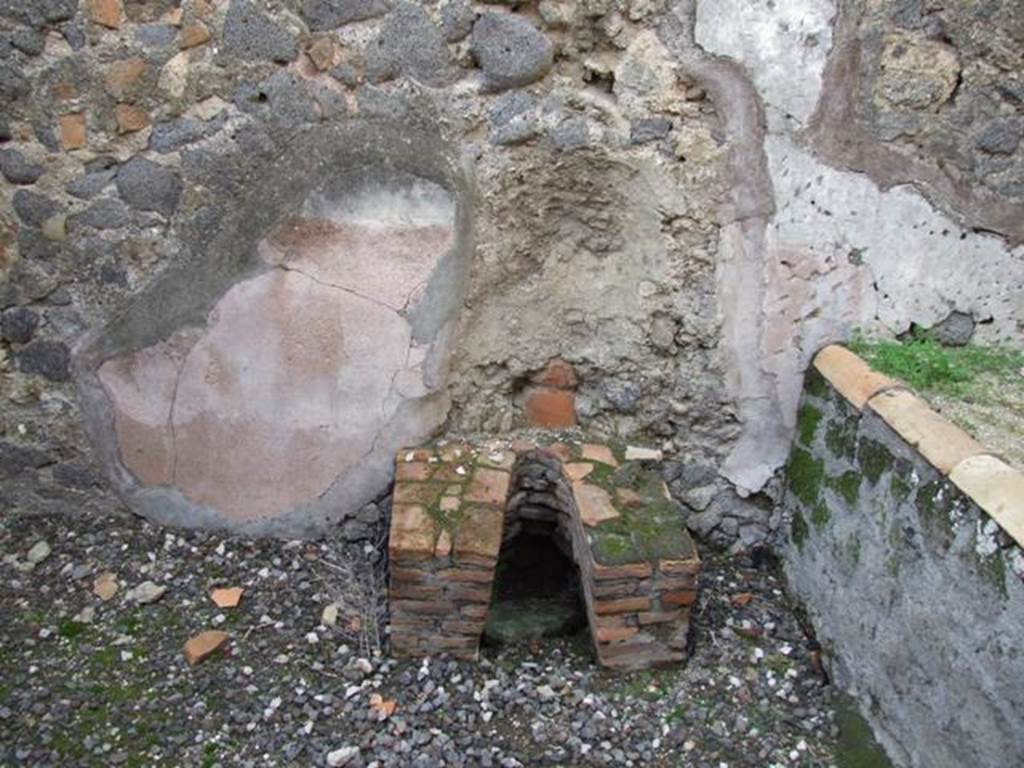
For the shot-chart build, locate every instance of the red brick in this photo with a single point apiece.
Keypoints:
(412, 532)
(204, 644)
(659, 617)
(676, 582)
(686, 597)
(410, 575)
(467, 592)
(417, 471)
(625, 605)
(479, 535)
(629, 571)
(410, 624)
(413, 454)
(489, 486)
(461, 642)
(551, 408)
(478, 611)
(610, 621)
(679, 566)
(466, 575)
(423, 608)
(601, 453)
(400, 591)
(468, 627)
(426, 494)
(558, 374)
(621, 588)
(615, 634)
(593, 503)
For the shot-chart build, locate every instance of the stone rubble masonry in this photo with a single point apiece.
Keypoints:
(455, 503)
(988, 481)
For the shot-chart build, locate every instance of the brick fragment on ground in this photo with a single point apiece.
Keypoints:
(204, 644)
(227, 597)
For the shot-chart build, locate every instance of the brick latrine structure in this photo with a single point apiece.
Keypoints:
(455, 504)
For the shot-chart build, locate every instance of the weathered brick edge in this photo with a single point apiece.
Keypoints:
(446, 532)
(993, 485)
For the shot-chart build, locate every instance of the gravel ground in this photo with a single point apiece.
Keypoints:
(113, 687)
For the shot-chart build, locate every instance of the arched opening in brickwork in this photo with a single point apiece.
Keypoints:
(537, 591)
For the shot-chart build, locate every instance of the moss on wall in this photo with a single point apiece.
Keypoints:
(807, 421)
(804, 475)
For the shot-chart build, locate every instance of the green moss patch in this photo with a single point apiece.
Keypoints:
(841, 438)
(874, 459)
(651, 530)
(814, 383)
(807, 421)
(804, 475)
(847, 485)
(798, 530)
(820, 514)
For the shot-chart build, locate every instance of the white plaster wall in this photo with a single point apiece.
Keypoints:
(783, 44)
(916, 264)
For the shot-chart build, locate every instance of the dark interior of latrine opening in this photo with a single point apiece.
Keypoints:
(537, 589)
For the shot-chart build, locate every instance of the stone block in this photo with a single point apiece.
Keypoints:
(130, 119)
(194, 35)
(72, 130)
(106, 13)
(510, 51)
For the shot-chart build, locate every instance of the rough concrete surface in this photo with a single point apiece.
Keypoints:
(916, 595)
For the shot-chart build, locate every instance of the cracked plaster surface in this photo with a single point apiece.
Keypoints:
(297, 371)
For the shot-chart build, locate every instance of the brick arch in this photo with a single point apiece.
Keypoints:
(451, 507)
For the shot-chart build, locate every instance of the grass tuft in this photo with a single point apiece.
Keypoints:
(924, 364)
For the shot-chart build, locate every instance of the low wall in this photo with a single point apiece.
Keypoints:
(905, 546)
(454, 503)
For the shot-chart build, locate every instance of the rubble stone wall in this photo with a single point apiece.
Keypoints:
(666, 194)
